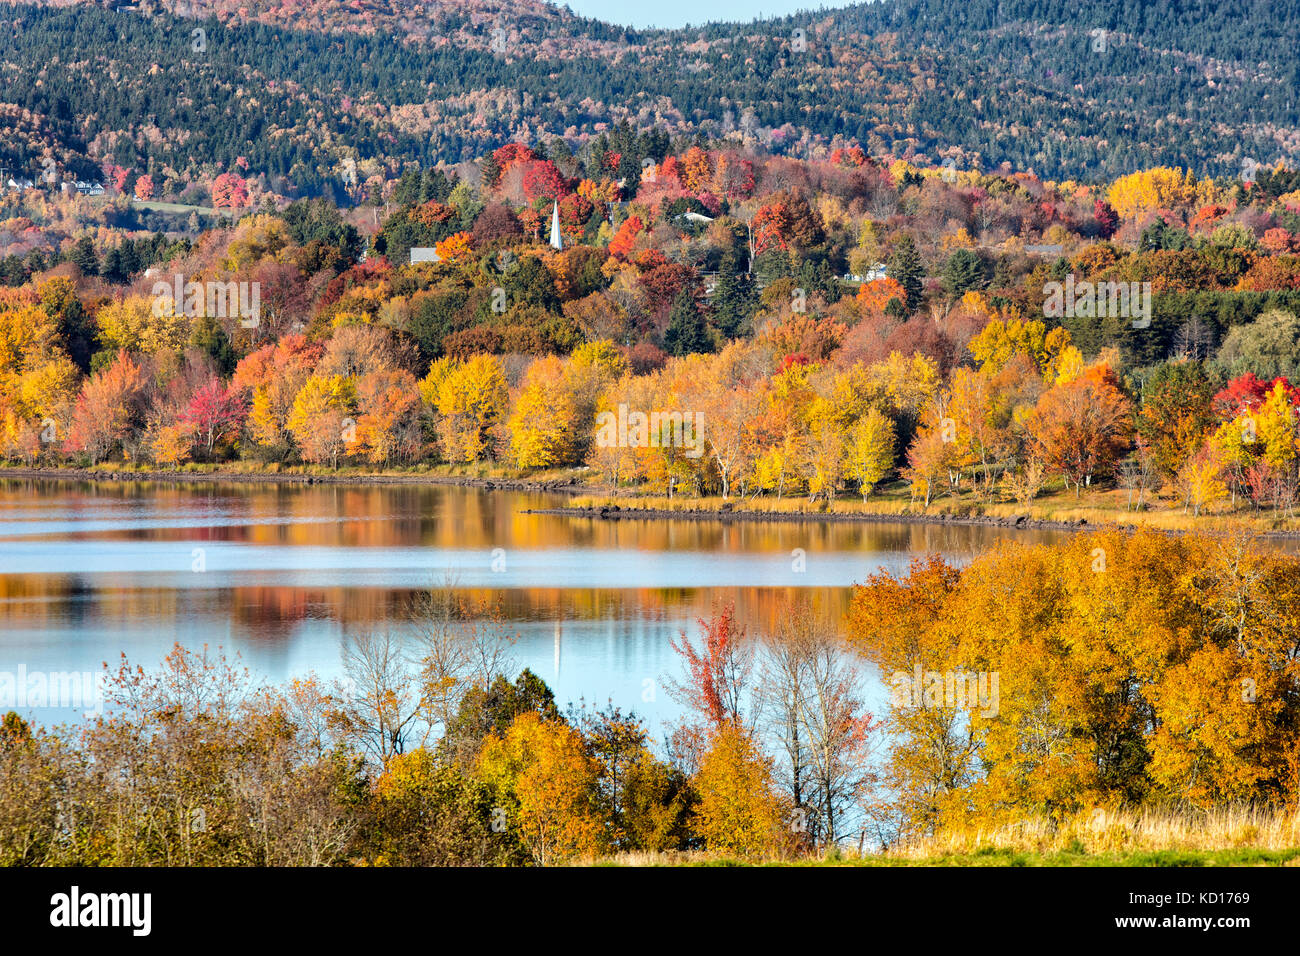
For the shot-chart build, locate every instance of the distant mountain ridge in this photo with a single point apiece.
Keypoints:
(297, 87)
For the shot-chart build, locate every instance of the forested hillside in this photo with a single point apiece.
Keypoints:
(185, 89)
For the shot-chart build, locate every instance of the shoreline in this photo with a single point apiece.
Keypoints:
(568, 486)
(173, 477)
(1016, 523)
(620, 513)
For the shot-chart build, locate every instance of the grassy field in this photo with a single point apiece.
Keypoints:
(175, 207)
(1231, 836)
(1000, 857)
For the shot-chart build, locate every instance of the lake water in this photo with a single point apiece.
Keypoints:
(284, 574)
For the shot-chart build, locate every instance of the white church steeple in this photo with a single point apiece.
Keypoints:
(556, 241)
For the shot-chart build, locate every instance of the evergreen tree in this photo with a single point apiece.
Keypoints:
(733, 299)
(83, 256)
(963, 271)
(115, 267)
(12, 271)
(209, 336)
(905, 268)
(686, 332)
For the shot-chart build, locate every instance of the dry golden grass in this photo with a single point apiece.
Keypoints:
(1094, 507)
(1230, 836)
(1122, 831)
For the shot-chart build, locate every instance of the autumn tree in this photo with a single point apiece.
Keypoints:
(229, 191)
(107, 409)
(543, 426)
(430, 814)
(875, 295)
(388, 425)
(547, 785)
(905, 268)
(1082, 428)
(1132, 667)
(323, 421)
(871, 450)
(811, 694)
(739, 811)
(933, 454)
(215, 414)
(471, 399)
(894, 622)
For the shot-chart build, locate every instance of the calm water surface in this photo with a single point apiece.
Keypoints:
(283, 574)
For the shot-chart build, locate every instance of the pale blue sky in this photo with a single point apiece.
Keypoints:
(678, 13)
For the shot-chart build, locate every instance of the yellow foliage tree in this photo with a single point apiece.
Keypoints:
(541, 772)
(132, 325)
(871, 450)
(1150, 189)
(472, 400)
(739, 811)
(321, 421)
(1117, 667)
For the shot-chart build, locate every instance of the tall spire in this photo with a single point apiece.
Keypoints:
(556, 241)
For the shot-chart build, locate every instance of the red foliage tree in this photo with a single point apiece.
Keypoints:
(621, 244)
(716, 672)
(543, 181)
(852, 156)
(1246, 393)
(575, 211)
(107, 409)
(215, 413)
(229, 192)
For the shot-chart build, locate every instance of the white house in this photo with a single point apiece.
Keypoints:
(877, 271)
(424, 254)
(83, 187)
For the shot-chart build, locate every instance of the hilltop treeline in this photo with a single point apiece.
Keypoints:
(298, 90)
